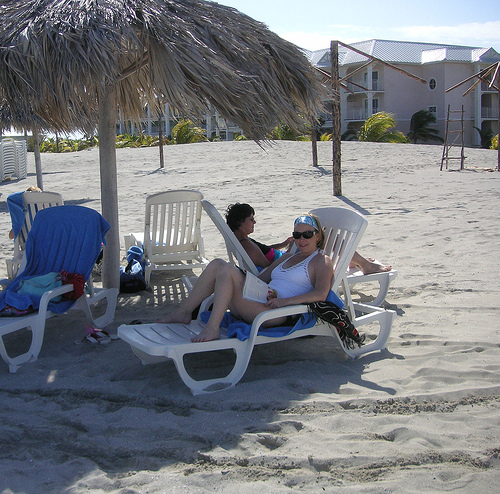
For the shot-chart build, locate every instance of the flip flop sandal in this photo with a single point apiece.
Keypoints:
(97, 337)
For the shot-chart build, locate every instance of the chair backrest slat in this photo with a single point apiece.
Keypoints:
(33, 202)
(173, 221)
(343, 230)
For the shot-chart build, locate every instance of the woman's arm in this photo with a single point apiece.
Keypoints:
(321, 272)
(282, 245)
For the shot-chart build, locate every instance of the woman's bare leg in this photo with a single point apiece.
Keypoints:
(228, 280)
(368, 265)
(203, 288)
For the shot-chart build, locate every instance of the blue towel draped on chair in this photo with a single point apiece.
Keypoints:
(16, 210)
(62, 238)
(241, 329)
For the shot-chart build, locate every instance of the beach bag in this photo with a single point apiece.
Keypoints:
(132, 276)
(339, 319)
(78, 282)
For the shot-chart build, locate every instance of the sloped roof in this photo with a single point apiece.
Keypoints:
(406, 52)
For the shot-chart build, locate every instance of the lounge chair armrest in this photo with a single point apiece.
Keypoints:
(291, 310)
(48, 296)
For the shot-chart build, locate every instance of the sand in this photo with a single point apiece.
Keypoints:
(422, 417)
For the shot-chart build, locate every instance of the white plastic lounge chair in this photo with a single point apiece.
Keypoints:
(158, 342)
(325, 215)
(239, 257)
(383, 279)
(172, 238)
(32, 203)
(65, 238)
(21, 159)
(7, 159)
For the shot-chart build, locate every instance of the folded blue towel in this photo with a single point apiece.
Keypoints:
(62, 238)
(241, 329)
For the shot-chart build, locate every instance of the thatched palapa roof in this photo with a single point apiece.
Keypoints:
(55, 55)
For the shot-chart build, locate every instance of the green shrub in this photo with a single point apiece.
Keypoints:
(494, 142)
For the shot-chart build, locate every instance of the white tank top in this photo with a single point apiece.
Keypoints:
(292, 281)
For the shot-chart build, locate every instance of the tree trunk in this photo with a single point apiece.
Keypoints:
(337, 152)
(314, 142)
(109, 187)
(160, 140)
(38, 158)
(498, 149)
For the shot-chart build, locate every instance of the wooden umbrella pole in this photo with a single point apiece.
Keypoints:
(336, 123)
(38, 158)
(109, 186)
(498, 130)
(160, 140)
(314, 142)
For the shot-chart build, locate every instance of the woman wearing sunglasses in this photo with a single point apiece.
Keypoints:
(241, 219)
(299, 278)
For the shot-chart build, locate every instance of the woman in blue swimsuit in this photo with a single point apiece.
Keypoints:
(299, 278)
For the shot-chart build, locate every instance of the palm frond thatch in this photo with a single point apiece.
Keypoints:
(56, 56)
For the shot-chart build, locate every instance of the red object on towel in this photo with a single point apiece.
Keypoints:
(78, 282)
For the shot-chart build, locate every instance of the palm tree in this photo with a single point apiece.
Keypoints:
(185, 132)
(380, 128)
(486, 136)
(419, 127)
(494, 142)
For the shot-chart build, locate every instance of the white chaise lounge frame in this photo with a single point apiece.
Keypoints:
(157, 342)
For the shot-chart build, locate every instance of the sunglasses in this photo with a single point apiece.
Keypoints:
(307, 234)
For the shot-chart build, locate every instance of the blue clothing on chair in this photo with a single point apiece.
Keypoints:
(62, 238)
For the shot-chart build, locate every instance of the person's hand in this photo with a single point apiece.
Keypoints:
(275, 303)
(271, 294)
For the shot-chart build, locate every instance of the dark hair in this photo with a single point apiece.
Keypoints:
(237, 213)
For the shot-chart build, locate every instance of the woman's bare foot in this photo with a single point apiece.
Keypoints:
(208, 334)
(178, 315)
(373, 266)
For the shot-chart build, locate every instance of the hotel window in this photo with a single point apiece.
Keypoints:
(433, 110)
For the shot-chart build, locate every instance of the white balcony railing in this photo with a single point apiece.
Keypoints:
(377, 86)
(489, 112)
(356, 114)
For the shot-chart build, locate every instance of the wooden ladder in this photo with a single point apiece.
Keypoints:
(454, 137)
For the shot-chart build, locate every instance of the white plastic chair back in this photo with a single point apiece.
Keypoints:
(21, 160)
(8, 155)
(343, 230)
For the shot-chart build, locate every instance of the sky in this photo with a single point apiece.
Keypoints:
(312, 25)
